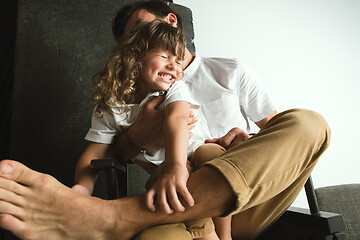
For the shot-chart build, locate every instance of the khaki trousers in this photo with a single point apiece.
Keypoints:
(266, 173)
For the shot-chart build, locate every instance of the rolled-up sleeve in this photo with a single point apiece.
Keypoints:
(254, 98)
(103, 129)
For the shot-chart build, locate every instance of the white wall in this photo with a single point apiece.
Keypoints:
(308, 54)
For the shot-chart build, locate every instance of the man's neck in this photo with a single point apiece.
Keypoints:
(188, 59)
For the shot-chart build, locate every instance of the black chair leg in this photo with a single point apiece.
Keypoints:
(121, 186)
(116, 176)
(112, 184)
(311, 197)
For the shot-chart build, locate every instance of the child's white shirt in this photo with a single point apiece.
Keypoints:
(112, 123)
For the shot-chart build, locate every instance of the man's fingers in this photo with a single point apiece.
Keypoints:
(223, 141)
(228, 138)
(239, 139)
(214, 140)
(234, 137)
(234, 143)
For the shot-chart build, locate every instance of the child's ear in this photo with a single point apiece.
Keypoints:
(172, 19)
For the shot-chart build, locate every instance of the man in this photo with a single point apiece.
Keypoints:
(257, 180)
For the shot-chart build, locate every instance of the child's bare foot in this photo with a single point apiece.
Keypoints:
(36, 206)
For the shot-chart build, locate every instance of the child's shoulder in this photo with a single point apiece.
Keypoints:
(178, 86)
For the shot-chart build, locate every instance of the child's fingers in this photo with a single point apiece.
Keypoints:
(149, 200)
(186, 195)
(163, 203)
(174, 200)
(192, 119)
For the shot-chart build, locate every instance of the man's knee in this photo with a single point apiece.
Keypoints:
(310, 125)
(176, 231)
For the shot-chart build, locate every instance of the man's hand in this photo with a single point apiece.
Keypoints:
(171, 180)
(147, 131)
(231, 139)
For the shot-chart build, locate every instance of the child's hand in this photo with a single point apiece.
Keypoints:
(170, 180)
(81, 189)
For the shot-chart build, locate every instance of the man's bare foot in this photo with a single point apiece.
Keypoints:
(36, 206)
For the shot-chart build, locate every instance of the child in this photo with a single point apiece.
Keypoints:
(146, 63)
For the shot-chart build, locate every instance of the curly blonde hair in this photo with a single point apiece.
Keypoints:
(116, 84)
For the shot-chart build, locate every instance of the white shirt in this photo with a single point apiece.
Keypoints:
(229, 94)
(104, 129)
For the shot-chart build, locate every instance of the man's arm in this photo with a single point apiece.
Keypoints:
(146, 132)
(262, 122)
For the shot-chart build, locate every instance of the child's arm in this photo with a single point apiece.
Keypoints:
(85, 176)
(172, 174)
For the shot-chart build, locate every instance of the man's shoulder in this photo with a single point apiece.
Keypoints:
(221, 62)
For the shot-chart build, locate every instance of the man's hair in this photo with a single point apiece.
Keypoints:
(159, 8)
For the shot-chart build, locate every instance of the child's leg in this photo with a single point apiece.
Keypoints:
(223, 227)
(205, 153)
